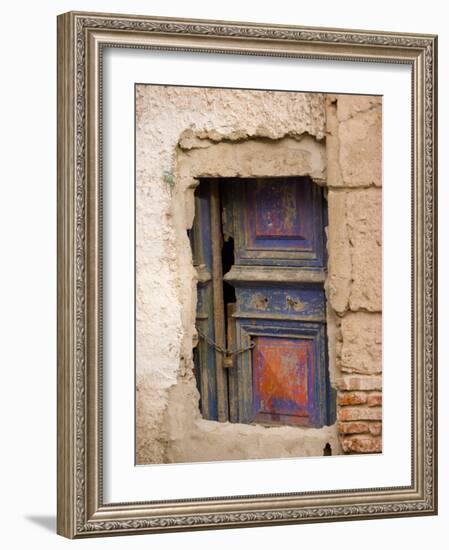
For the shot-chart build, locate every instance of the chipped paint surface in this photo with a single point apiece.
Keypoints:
(282, 370)
(295, 304)
(280, 221)
(276, 210)
(258, 301)
(303, 299)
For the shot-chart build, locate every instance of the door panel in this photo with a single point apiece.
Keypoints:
(204, 355)
(282, 300)
(277, 221)
(278, 273)
(286, 364)
(283, 378)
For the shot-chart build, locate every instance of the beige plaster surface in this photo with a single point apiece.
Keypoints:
(184, 133)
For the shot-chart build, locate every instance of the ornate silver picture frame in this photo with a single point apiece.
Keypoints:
(83, 510)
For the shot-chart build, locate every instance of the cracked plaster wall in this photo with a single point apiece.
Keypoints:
(354, 285)
(183, 133)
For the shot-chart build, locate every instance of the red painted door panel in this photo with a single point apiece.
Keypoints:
(283, 370)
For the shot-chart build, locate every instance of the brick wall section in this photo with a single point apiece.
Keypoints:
(355, 259)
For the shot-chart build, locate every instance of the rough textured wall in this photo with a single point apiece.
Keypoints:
(190, 437)
(354, 146)
(187, 132)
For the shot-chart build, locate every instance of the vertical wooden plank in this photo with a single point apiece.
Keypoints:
(202, 257)
(244, 378)
(217, 292)
(233, 362)
(229, 361)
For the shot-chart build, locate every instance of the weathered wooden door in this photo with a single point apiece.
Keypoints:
(259, 249)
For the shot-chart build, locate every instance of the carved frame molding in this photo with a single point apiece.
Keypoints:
(81, 38)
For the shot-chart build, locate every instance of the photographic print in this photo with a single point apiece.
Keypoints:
(258, 274)
(246, 274)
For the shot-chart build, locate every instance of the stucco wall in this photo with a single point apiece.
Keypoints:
(354, 290)
(183, 133)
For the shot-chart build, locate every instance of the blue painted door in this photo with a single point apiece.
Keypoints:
(274, 312)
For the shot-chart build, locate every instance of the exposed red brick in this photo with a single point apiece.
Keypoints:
(359, 383)
(361, 444)
(352, 398)
(374, 399)
(353, 427)
(375, 428)
(359, 413)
